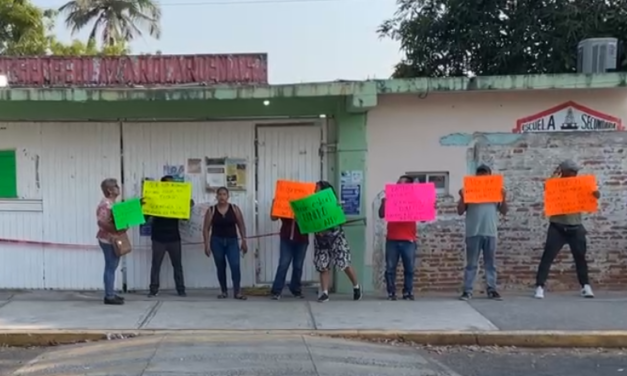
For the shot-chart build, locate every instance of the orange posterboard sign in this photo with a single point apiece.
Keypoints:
(570, 195)
(483, 189)
(287, 191)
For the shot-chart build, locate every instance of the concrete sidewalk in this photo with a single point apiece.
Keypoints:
(201, 310)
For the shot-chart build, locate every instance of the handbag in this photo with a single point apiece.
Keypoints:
(121, 244)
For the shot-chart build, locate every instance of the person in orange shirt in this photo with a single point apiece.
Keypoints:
(401, 242)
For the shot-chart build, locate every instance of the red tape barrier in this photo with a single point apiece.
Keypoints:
(91, 246)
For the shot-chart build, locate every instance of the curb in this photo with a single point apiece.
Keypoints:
(529, 339)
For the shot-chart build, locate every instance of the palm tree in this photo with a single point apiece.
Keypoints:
(115, 20)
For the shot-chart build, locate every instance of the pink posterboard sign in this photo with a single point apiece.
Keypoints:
(410, 202)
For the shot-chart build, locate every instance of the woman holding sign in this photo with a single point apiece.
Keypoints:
(220, 233)
(331, 247)
(106, 233)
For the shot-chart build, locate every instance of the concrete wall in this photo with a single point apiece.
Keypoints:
(452, 133)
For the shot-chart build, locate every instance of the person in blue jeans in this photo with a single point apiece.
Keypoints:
(106, 230)
(400, 243)
(220, 235)
(293, 248)
(481, 235)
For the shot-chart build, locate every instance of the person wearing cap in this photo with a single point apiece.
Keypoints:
(400, 243)
(481, 234)
(565, 229)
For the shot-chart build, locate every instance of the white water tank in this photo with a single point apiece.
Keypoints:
(597, 55)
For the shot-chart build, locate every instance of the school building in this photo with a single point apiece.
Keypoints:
(213, 120)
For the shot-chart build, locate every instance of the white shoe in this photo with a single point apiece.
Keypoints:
(586, 292)
(539, 293)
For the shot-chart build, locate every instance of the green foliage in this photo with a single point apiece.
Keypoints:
(22, 28)
(114, 20)
(499, 37)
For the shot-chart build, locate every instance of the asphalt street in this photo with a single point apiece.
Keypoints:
(296, 355)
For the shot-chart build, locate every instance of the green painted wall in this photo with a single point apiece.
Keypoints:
(351, 149)
(163, 110)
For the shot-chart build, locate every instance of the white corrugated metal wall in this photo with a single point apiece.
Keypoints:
(150, 146)
(286, 152)
(60, 167)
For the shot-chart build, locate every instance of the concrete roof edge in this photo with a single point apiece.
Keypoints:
(324, 89)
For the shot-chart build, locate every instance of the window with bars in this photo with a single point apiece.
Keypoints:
(439, 179)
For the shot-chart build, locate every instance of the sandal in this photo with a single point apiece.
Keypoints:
(240, 297)
(224, 295)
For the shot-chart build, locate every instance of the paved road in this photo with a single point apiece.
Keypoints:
(521, 362)
(276, 355)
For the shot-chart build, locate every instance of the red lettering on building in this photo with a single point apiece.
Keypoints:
(149, 70)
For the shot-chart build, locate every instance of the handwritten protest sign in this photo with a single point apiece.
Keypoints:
(128, 214)
(287, 191)
(410, 202)
(167, 199)
(191, 229)
(318, 212)
(570, 195)
(483, 189)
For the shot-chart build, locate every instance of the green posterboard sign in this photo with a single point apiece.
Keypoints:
(318, 212)
(128, 214)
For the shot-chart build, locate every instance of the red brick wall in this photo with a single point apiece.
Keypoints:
(525, 164)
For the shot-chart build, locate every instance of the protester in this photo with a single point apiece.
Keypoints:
(481, 237)
(292, 248)
(220, 235)
(565, 229)
(106, 232)
(166, 238)
(401, 242)
(331, 247)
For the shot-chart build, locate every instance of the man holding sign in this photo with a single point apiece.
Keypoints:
(481, 234)
(566, 229)
(401, 244)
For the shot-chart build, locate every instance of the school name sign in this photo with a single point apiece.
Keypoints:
(568, 117)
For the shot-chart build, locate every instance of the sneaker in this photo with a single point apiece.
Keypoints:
(119, 297)
(466, 296)
(408, 296)
(153, 294)
(299, 295)
(323, 298)
(357, 293)
(392, 297)
(276, 297)
(586, 292)
(182, 294)
(113, 301)
(539, 293)
(494, 295)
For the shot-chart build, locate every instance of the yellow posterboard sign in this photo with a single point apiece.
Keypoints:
(167, 199)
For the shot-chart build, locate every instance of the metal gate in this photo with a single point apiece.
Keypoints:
(288, 152)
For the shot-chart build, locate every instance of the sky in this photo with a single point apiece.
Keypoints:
(306, 40)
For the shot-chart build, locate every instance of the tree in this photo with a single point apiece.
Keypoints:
(22, 28)
(499, 37)
(78, 48)
(116, 21)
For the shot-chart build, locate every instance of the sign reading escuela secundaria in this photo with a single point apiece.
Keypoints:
(318, 212)
(167, 199)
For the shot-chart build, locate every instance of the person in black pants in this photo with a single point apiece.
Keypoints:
(220, 234)
(566, 229)
(166, 238)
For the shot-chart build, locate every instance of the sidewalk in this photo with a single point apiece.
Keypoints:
(50, 310)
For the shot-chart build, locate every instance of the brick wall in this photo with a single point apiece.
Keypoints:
(525, 164)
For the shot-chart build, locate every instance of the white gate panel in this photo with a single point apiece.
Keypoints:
(285, 152)
(148, 147)
(21, 264)
(76, 158)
